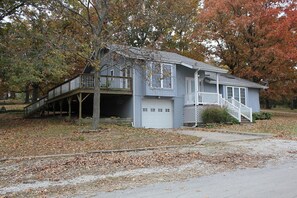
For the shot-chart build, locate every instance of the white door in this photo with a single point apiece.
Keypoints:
(157, 113)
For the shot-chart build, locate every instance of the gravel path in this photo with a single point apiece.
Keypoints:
(272, 181)
(87, 175)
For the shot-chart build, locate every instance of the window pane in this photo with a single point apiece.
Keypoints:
(229, 92)
(242, 96)
(236, 94)
(156, 80)
(167, 76)
(156, 75)
(192, 86)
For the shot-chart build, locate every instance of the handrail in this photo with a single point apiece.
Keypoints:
(35, 101)
(245, 110)
(232, 109)
(36, 105)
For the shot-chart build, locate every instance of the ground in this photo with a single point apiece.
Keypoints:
(283, 124)
(195, 153)
(31, 137)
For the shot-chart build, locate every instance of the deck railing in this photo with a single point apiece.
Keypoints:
(83, 81)
(34, 106)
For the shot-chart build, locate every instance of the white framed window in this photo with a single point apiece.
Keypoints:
(238, 93)
(161, 75)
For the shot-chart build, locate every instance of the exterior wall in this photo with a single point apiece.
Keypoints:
(179, 101)
(142, 90)
(210, 88)
(253, 99)
(138, 93)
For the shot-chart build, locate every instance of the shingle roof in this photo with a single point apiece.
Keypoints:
(163, 56)
(228, 79)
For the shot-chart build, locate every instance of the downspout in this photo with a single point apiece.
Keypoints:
(196, 80)
(134, 96)
(218, 88)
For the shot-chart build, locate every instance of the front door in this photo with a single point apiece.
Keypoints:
(190, 90)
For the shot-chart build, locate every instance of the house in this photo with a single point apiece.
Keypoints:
(155, 89)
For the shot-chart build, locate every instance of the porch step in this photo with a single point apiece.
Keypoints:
(244, 120)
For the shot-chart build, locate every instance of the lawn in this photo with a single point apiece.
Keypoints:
(282, 124)
(29, 137)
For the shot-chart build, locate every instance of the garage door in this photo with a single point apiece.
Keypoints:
(157, 113)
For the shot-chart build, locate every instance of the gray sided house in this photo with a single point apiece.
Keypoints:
(153, 89)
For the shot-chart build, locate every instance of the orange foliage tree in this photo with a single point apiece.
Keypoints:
(256, 39)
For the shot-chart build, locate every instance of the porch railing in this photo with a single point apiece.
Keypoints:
(203, 98)
(245, 110)
(234, 107)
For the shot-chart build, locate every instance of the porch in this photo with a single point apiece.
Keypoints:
(195, 103)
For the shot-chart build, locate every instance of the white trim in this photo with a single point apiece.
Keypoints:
(218, 86)
(134, 97)
(196, 79)
(233, 87)
(161, 73)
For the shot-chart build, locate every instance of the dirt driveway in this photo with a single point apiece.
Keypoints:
(86, 175)
(220, 137)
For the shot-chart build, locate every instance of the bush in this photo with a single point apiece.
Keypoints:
(217, 115)
(262, 116)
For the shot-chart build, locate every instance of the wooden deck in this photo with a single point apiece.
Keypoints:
(76, 87)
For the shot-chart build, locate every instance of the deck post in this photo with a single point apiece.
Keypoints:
(69, 106)
(61, 107)
(54, 110)
(79, 97)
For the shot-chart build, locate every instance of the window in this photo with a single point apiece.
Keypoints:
(153, 109)
(144, 109)
(242, 96)
(238, 93)
(167, 110)
(161, 75)
(229, 92)
(160, 110)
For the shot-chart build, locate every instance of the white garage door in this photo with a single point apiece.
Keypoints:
(157, 113)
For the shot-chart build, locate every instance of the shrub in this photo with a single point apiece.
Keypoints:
(262, 116)
(217, 115)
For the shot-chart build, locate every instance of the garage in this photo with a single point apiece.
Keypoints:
(157, 113)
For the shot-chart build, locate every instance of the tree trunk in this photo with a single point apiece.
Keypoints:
(267, 104)
(12, 95)
(27, 97)
(35, 94)
(96, 104)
